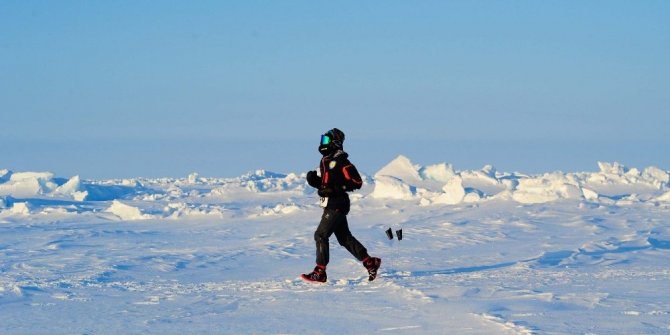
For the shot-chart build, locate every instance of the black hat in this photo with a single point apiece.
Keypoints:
(337, 136)
(331, 141)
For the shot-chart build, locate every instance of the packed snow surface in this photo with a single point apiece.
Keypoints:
(483, 252)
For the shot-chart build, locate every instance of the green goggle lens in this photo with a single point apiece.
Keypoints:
(325, 139)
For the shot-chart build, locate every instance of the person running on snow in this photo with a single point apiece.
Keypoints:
(338, 176)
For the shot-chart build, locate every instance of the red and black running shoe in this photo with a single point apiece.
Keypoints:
(318, 275)
(372, 264)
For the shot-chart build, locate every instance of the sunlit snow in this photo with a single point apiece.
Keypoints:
(484, 252)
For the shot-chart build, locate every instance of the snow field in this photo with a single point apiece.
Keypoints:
(484, 252)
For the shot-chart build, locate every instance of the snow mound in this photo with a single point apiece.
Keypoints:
(126, 212)
(279, 209)
(546, 188)
(392, 187)
(265, 181)
(402, 169)
(73, 188)
(259, 181)
(26, 184)
(442, 184)
(114, 189)
(401, 179)
(45, 185)
(454, 192)
(182, 210)
(21, 208)
(439, 172)
(616, 179)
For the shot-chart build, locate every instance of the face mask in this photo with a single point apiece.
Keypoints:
(324, 147)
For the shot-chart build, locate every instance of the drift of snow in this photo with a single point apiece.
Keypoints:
(126, 212)
(484, 252)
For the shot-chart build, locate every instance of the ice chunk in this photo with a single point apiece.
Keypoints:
(665, 197)
(27, 184)
(21, 208)
(546, 188)
(439, 172)
(126, 212)
(180, 209)
(612, 168)
(193, 178)
(656, 176)
(589, 194)
(401, 168)
(453, 192)
(392, 187)
(72, 188)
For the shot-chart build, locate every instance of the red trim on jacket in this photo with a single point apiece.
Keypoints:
(346, 175)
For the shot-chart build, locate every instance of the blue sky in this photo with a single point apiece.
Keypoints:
(164, 88)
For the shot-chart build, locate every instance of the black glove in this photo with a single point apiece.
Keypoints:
(325, 192)
(313, 180)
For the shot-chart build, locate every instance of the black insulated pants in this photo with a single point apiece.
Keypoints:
(333, 221)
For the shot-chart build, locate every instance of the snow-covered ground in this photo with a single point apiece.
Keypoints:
(484, 252)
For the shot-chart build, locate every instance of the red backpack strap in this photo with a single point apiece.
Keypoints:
(324, 173)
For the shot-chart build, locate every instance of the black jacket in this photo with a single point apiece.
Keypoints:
(338, 176)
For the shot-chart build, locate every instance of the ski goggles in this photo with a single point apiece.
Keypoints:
(325, 139)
